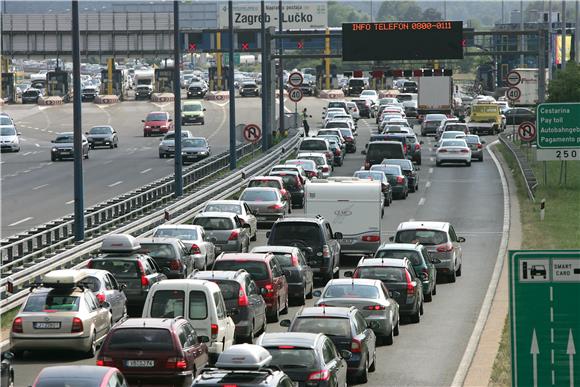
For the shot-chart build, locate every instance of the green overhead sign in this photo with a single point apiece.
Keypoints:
(558, 126)
(545, 317)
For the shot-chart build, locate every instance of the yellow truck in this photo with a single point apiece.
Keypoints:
(486, 117)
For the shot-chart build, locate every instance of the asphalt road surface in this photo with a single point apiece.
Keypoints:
(428, 353)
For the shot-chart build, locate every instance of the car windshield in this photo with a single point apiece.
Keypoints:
(125, 269)
(290, 356)
(312, 145)
(140, 339)
(447, 143)
(356, 82)
(413, 256)
(191, 108)
(100, 130)
(193, 143)
(424, 237)
(210, 223)
(51, 302)
(64, 139)
(156, 117)
(385, 274)
(332, 326)
(7, 131)
(286, 232)
(158, 250)
(186, 234)
(351, 291)
(30, 93)
(259, 196)
(5, 120)
(258, 270)
(369, 175)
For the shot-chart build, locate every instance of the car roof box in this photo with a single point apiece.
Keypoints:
(64, 278)
(120, 243)
(244, 356)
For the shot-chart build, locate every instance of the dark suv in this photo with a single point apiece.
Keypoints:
(268, 275)
(241, 294)
(314, 236)
(155, 350)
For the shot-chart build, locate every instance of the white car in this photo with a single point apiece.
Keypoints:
(353, 110)
(331, 113)
(238, 207)
(387, 118)
(450, 135)
(193, 237)
(370, 94)
(319, 159)
(9, 137)
(453, 151)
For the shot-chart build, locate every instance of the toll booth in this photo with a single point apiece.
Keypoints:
(8, 87)
(321, 77)
(117, 82)
(59, 84)
(164, 80)
(213, 78)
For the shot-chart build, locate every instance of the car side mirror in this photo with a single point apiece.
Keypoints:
(87, 133)
(435, 260)
(105, 305)
(285, 323)
(52, 141)
(483, 142)
(233, 312)
(203, 339)
(346, 355)
(421, 143)
(170, 120)
(19, 134)
(436, 146)
(267, 234)
(337, 235)
(348, 274)
(363, 152)
(460, 239)
(142, 120)
(317, 293)
(391, 239)
(122, 286)
(204, 109)
(212, 240)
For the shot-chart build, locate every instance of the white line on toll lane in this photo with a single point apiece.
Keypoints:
(146, 170)
(26, 154)
(37, 145)
(430, 170)
(428, 184)
(421, 202)
(39, 187)
(108, 162)
(70, 202)
(115, 184)
(21, 221)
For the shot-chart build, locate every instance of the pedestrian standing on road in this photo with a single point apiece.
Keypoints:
(305, 117)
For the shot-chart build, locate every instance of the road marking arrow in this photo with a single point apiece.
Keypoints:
(571, 351)
(534, 351)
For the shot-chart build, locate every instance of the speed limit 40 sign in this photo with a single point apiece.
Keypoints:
(295, 94)
(513, 93)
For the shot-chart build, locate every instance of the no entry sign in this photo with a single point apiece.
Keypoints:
(295, 79)
(252, 133)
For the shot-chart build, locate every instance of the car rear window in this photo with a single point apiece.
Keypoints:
(264, 183)
(286, 232)
(290, 181)
(387, 169)
(211, 223)
(92, 283)
(452, 143)
(369, 175)
(381, 151)
(292, 357)
(197, 305)
(259, 196)
(385, 274)
(336, 105)
(432, 124)
(223, 207)
(312, 145)
(187, 234)
(318, 160)
(49, 302)
(331, 326)
(119, 268)
(284, 259)
(424, 237)
(158, 250)
(230, 289)
(258, 270)
(140, 339)
(350, 291)
(167, 303)
(413, 256)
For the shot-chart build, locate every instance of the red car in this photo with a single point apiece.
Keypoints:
(157, 123)
(267, 274)
(155, 350)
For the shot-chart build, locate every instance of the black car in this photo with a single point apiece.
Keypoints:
(249, 88)
(408, 169)
(89, 93)
(7, 376)
(241, 294)
(307, 358)
(63, 147)
(517, 116)
(292, 184)
(377, 151)
(298, 274)
(410, 87)
(31, 96)
(193, 149)
(414, 148)
(143, 92)
(102, 135)
(347, 329)
(400, 137)
(364, 107)
(314, 236)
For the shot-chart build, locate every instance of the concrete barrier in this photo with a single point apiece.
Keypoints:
(106, 99)
(49, 101)
(217, 96)
(162, 97)
(331, 94)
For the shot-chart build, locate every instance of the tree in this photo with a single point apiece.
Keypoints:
(339, 13)
(431, 14)
(565, 87)
(399, 11)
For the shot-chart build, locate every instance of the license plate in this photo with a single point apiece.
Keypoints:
(261, 218)
(347, 241)
(46, 325)
(155, 130)
(217, 250)
(140, 363)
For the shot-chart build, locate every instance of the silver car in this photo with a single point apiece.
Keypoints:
(476, 145)
(193, 149)
(63, 147)
(106, 288)
(102, 135)
(167, 144)
(230, 233)
(9, 137)
(238, 207)
(267, 203)
(440, 240)
(201, 248)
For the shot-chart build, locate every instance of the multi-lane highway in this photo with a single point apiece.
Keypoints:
(471, 198)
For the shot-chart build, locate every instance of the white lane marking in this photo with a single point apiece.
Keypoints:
(412, 220)
(37, 145)
(26, 154)
(21, 221)
(50, 131)
(430, 170)
(70, 202)
(421, 202)
(146, 170)
(431, 158)
(108, 162)
(26, 171)
(115, 184)
(428, 184)
(39, 187)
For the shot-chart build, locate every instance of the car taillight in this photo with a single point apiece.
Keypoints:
(404, 148)
(325, 169)
(445, 248)
(283, 192)
(214, 330)
(337, 152)
(417, 147)
(356, 274)
(269, 290)
(176, 363)
(275, 207)
(374, 307)
(294, 261)
(101, 297)
(195, 249)
(17, 325)
(328, 154)
(325, 251)
(367, 165)
(322, 304)
(479, 146)
(144, 279)
(90, 264)
(311, 174)
(355, 346)
(77, 325)
(105, 361)
(242, 298)
(465, 151)
(400, 180)
(442, 150)
(319, 375)
(175, 264)
(425, 274)
(234, 235)
(410, 286)
(349, 139)
(371, 238)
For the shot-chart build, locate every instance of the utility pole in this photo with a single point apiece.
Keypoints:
(563, 54)
(265, 129)
(550, 47)
(577, 36)
(233, 160)
(79, 219)
(523, 37)
(178, 166)
(280, 72)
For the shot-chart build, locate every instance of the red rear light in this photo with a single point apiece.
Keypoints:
(242, 298)
(294, 260)
(479, 146)
(176, 363)
(144, 280)
(337, 152)
(283, 192)
(356, 274)
(371, 238)
(400, 180)
(442, 150)
(324, 169)
(269, 290)
(410, 286)
(105, 361)
(234, 235)
(425, 273)
(195, 249)
(322, 304)
(325, 251)
(275, 207)
(90, 264)
(417, 147)
(101, 297)
(465, 151)
(445, 248)
(17, 325)
(175, 264)
(214, 330)
(355, 346)
(77, 325)
(319, 375)
(374, 307)
(286, 347)
(349, 139)
(405, 148)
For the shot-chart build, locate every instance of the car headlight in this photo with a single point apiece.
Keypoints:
(203, 153)
(147, 127)
(54, 149)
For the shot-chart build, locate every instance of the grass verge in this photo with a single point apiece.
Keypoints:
(560, 229)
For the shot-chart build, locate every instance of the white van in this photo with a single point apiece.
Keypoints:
(352, 206)
(199, 301)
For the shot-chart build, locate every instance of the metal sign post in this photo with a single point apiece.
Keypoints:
(178, 165)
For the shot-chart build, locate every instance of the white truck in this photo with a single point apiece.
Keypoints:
(528, 87)
(435, 95)
(353, 207)
(144, 77)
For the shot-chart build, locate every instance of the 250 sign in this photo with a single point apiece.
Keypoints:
(566, 154)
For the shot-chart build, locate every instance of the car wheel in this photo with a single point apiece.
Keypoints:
(452, 276)
(336, 274)
(459, 271)
(112, 146)
(285, 310)
(92, 351)
(87, 156)
(309, 294)
(161, 155)
(412, 189)
(419, 162)
(203, 122)
(421, 309)
(429, 296)
(416, 318)
(364, 375)
(274, 316)
(52, 158)
(396, 329)
(255, 236)
(373, 366)
(438, 163)
(481, 158)
(388, 340)
(435, 289)
(468, 163)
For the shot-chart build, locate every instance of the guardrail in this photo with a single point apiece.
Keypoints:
(525, 169)
(179, 211)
